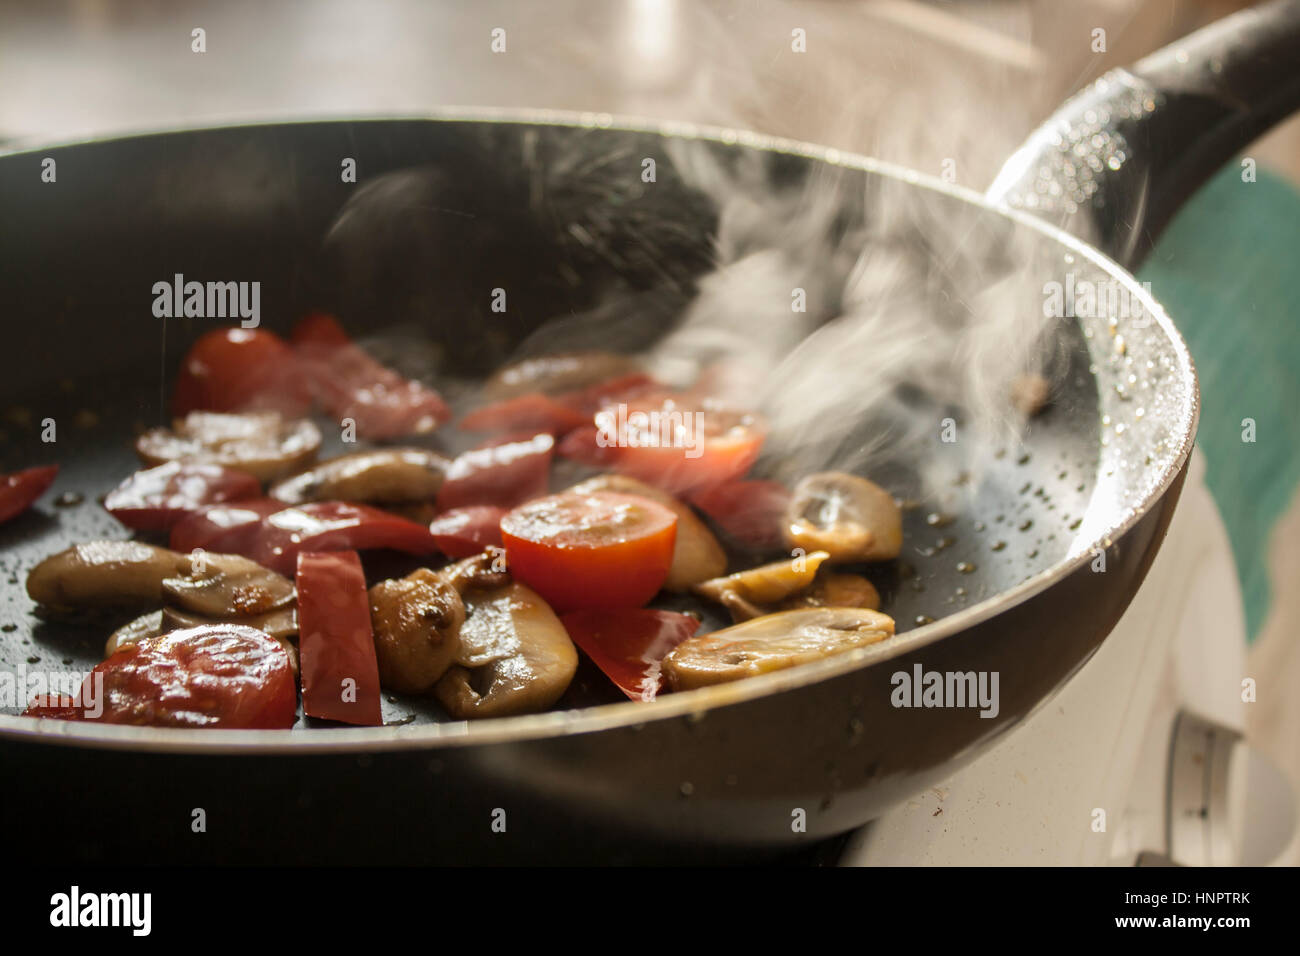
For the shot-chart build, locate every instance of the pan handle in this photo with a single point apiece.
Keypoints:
(1117, 160)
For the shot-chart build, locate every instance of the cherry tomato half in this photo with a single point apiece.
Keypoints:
(236, 369)
(598, 550)
(19, 490)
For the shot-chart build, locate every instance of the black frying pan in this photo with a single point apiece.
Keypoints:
(722, 771)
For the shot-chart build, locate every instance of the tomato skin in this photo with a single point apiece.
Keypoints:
(217, 675)
(349, 383)
(464, 532)
(749, 511)
(273, 534)
(20, 489)
(502, 474)
(236, 369)
(154, 499)
(54, 707)
(335, 640)
(628, 644)
(598, 550)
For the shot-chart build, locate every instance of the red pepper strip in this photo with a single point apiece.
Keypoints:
(54, 707)
(629, 644)
(336, 647)
(351, 384)
(20, 489)
(272, 534)
(462, 532)
(504, 474)
(156, 498)
(533, 412)
(750, 511)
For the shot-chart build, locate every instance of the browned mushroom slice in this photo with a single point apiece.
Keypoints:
(385, 476)
(515, 656)
(417, 622)
(104, 574)
(848, 517)
(772, 642)
(146, 625)
(263, 443)
(697, 555)
(837, 589)
(221, 586)
(561, 372)
(487, 569)
(745, 592)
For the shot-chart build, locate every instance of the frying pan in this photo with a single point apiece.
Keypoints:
(527, 201)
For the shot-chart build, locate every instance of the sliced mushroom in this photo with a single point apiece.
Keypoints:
(515, 656)
(849, 517)
(417, 621)
(772, 642)
(697, 555)
(744, 592)
(479, 571)
(384, 476)
(261, 443)
(104, 574)
(222, 586)
(146, 625)
(561, 372)
(837, 589)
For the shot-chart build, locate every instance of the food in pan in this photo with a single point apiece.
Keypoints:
(245, 586)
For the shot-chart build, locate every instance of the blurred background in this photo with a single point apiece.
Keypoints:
(949, 87)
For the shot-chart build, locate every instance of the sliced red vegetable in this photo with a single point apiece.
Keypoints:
(502, 474)
(349, 383)
(21, 488)
(55, 707)
(156, 498)
(272, 534)
(463, 532)
(336, 646)
(597, 550)
(629, 644)
(749, 511)
(556, 414)
(235, 370)
(217, 675)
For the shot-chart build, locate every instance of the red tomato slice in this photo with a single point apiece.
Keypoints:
(750, 511)
(272, 534)
(674, 445)
(336, 647)
(217, 675)
(462, 532)
(533, 412)
(235, 369)
(503, 474)
(156, 498)
(629, 644)
(350, 384)
(599, 550)
(21, 488)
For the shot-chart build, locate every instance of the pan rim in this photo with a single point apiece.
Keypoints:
(693, 703)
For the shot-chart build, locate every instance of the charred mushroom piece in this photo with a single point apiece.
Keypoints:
(417, 622)
(104, 574)
(561, 372)
(837, 589)
(849, 517)
(745, 592)
(221, 586)
(263, 443)
(772, 642)
(516, 656)
(697, 555)
(386, 476)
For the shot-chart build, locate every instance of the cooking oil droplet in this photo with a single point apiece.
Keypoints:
(937, 520)
(1023, 459)
(923, 619)
(686, 789)
(1034, 553)
(960, 592)
(69, 499)
(1026, 524)
(918, 585)
(8, 628)
(1074, 525)
(965, 567)
(980, 526)
(998, 545)
(944, 543)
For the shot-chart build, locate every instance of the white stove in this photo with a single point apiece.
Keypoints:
(1140, 757)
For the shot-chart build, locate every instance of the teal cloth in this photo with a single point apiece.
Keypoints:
(1225, 270)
